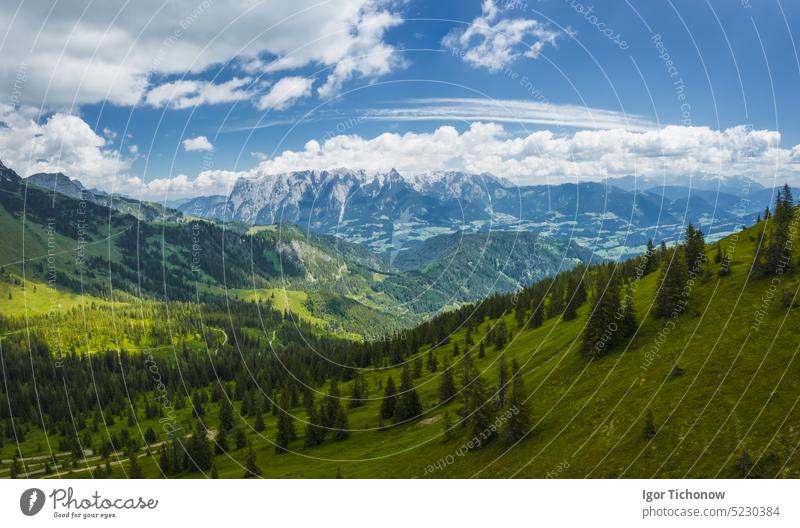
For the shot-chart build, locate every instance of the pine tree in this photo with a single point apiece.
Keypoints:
(221, 441)
(475, 411)
(340, 425)
(259, 425)
(389, 401)
(198, 450)
(225, 414)
(359, 391)
(669, 298)
(135, 472)
(418, 366)
(447, 387)
(285, 432)
(251, 468)
(537, 318)
(408, 405)
(779, 250)
(518, 423)
(651, 258)
(331, 405)
(571, 309)
(601, 331)
(502, 379)
(629, 322)
(315, 434)
(695, 251)
(432, 363)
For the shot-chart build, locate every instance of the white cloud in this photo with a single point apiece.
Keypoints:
(198, 143)
(284, 92)
(491, 42)
(62, 143)
(190, 93)
(57, 56)
(510, 111)
(543, 156)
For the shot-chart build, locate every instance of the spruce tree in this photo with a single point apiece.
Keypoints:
(475, 411)
(518, 422)
(389, 401)
(651, 258)
(135, 472)
(285, 432)
(502, 379)
(432, 363)
(779, 250)
(669, 298)
(629, 322)
(695, 251)
(315, 434)
(340, 425)
(225, 414)
(408, 404)
(198, 450)
(601, 331)
(251, 468)
(447, 387)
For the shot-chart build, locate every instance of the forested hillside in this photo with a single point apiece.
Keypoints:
(681, 362)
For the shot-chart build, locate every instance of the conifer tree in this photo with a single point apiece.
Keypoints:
(315, 434)
(601, 331)
(651, 258)
(198, 450)
(389, 402)
(475, 411)
(518, 422)
(225, 414)
(418, 366)
(432, 363)
(331, 405)
(695, 251)
(285, 432)
(259, 426)
(669, 298)
(447, 387)
(251, 468)
(629, 323)
(135, 472)
(408, 404)
(340, 425)
(221, 442)
(779, 250)
(502, 379)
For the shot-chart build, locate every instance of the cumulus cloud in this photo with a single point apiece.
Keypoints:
(56, 56)
(198, 143)
(492, 42)
(189, 93)
(284, 92)
(62, 143)
(543, 156)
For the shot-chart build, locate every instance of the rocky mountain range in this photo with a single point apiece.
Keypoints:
(389, 212)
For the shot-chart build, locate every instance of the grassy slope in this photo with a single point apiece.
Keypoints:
(737, 392)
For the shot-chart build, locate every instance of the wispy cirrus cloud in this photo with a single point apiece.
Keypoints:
(511, 111)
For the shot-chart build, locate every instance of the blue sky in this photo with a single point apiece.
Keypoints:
(499, 71)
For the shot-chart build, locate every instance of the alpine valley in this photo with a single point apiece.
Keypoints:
(351, 324)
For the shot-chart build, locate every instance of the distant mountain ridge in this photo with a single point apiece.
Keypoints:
(390, 212)
(62, 184)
